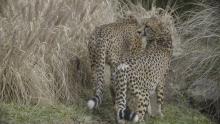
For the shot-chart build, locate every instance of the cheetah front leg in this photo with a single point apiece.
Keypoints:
(160, 97)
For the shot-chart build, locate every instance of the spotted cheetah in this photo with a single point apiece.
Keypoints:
(144, 73)
(106, 45)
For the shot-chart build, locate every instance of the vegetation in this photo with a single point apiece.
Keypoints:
(44, 66)
(60, 114)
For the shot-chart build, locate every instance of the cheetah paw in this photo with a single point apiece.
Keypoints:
(135, 119)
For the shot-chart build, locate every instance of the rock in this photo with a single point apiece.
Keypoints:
(204, 94)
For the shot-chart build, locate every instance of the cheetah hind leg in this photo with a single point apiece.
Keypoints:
(160, 97)
(123, 112)
(141, 108)
(98, 68)
(143, 105)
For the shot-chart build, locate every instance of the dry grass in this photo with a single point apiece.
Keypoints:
(199, 31)
(43, 48)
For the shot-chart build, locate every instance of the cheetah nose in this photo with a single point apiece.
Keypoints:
(139, 32)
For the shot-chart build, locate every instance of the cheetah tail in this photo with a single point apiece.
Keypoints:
(94, 102)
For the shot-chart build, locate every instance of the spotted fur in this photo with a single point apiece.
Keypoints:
(143, 73)
(106, 45)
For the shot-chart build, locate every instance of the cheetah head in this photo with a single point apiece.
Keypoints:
(152, 31)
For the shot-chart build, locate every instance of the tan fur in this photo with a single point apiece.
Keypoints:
(106, 45)
(143, 73)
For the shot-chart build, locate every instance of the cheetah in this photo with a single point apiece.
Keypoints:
(143, 74)
(106, 45)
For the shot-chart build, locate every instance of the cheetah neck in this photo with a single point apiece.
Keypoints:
(156, 46)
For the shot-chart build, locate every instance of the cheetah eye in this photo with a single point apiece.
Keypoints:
(139, 32)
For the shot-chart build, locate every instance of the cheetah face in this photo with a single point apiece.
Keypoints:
(149, 27)
(146, 33)
(152, 30)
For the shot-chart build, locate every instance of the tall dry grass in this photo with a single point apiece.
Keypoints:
(43, 48)
(199, 30)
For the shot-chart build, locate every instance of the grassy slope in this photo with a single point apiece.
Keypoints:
(61, 114)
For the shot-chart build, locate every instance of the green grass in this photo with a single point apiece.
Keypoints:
(181, 115)
(61, 114)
